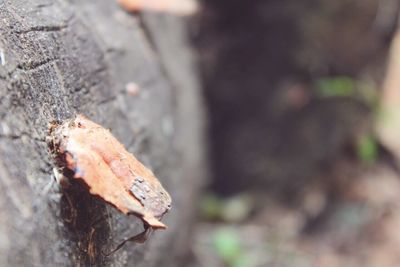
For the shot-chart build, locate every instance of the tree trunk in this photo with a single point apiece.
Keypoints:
(61, 58)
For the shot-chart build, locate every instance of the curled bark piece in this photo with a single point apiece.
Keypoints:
(96, 157)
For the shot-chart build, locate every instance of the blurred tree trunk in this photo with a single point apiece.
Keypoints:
(60, 58)
(388, 124)
(261, 62)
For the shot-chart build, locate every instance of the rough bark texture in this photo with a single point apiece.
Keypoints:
(60, 58)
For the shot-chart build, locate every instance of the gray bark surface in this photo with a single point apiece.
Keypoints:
(60, 58)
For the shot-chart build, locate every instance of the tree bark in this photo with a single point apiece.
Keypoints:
(61, 58)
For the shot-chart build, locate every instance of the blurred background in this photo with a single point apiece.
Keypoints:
(303, 102)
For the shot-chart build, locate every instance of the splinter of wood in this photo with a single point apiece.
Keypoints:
(139, 238)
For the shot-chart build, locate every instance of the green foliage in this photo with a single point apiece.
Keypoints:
(226, 241)
(233, 209)
(227, 244)
(237, 208)
(367, 149)
(335, 86)
(362, 90)
(211, 207)
(244, 260)
(228, 247)
(343, 86)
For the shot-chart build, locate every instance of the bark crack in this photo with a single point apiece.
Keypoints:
(20, 135)
(29, 66)
(43, 28)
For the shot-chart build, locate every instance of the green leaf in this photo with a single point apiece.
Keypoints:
(243, 260)
(211, 207)
(367, 149)
(335, 86)
(237, 208)
(227, 245)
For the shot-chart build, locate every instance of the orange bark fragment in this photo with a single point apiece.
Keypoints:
(109, 170)
(178, 7)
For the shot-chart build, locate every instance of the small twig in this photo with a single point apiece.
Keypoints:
(139, 238)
